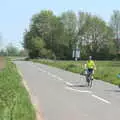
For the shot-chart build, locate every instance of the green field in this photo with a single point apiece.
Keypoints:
(106, 70)
(15, 103)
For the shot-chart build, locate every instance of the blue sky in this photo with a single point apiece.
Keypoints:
(15, 14)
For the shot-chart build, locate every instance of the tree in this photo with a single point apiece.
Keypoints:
(50, 35)
(12, 50)
(70, 23)
(46, 26)
(69, 20)
(36, 45)
(23, 53)
(96, 36)
(1, 41)
(82, 20)
(115, 25)
(41, 25)
(3, 52)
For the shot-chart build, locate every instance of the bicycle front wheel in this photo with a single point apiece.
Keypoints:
(90, 83)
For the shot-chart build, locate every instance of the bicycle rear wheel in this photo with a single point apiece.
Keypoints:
(90, 83)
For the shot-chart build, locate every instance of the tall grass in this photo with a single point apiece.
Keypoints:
(15, 103)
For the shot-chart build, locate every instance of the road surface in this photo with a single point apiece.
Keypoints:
(63, 95)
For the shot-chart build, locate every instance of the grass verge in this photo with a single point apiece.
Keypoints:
(15, 103)
(106, 70)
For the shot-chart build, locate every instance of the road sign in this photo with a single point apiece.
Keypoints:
(76, 53)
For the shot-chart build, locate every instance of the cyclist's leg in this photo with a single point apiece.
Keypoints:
(91, 73)
(87, 72)
(86, 76)
(92, 77)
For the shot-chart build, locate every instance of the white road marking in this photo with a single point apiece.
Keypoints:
(99, 98)
(81, 91)
(48, 73)
(33, 65)
(68, 83)
(59, 78)
(41, 70)
(53, 75)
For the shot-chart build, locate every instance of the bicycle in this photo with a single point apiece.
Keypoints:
(89, 79)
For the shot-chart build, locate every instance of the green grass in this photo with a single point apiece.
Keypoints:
(106, 70)
(15, 103)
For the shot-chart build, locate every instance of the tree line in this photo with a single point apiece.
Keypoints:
(55, 37)
(11, 50)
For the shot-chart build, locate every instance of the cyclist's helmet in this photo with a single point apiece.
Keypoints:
(90, 57)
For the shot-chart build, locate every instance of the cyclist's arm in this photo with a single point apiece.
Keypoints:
(94, 66)
(85, 66)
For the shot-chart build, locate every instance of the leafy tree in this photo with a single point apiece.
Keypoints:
(46, 26)
(96, 36)
(12, 50)
(3, 52)
(70, 22)
(52, 36)
(37, 44)
(23, 53)
(115, 25)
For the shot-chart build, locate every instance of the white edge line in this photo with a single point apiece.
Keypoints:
(81, 91)
(99, 98)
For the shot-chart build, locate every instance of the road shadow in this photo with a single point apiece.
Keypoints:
(117, 91)
(76, 85)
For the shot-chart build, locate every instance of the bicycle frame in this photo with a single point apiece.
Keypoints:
(89, 79)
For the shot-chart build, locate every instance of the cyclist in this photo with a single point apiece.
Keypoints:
(90, 67)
